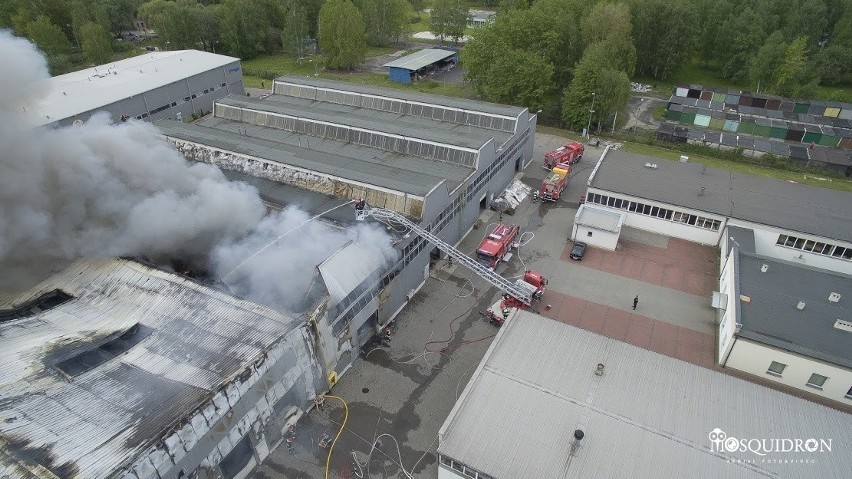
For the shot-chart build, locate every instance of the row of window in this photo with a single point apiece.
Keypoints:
(175, 103)
(816, 381)
(358, 299)
(817, 247)
(655, 211)
(465, 470)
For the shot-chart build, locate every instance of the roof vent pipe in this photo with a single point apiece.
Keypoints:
(764, 268)
(801, 305)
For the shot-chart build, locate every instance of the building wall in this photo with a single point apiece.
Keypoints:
(309, 180)
(594, 237)
(728, 319)
(272, 393)
(766, 237)
(195, 94)
(755, 358)
(400, 75)
(650, 222)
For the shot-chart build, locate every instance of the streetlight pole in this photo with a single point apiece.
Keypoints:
(591, 110)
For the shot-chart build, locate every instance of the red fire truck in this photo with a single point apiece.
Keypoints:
(494, 247)
(553, 186)
(533, 282)
(567, 154)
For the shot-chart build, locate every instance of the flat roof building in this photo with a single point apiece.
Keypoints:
(641, 414)
(410, 67)
(691, 201)
(149, 87)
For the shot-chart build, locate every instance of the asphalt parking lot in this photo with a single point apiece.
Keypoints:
(398, 397)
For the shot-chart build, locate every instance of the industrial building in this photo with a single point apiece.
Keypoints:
(411, 68)
(785, 322)
(152, 86)
(115, 368)
(438, 161)
(696, 203)
(552, 400)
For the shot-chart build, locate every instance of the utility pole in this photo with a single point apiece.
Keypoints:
(591, 110)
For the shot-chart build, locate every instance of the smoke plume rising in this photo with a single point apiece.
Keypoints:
(102, 189)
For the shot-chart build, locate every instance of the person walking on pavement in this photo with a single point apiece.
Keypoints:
(635, 301)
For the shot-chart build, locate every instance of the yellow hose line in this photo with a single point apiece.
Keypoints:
(342, 425)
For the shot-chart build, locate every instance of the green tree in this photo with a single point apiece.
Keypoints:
(448, 19)
(794, 71)
(596, 73)
(763, 66)
(736, 42)
(712, 15)
(296, 29)
(386, 20)
(48, 37)
(342, 34)
(96, 43)
(251, 27)
(607, 21)
(663, 33)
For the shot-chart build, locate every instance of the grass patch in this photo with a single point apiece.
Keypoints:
(659, 111)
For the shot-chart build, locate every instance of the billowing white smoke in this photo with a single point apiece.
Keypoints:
(102, 189)
(282, 274)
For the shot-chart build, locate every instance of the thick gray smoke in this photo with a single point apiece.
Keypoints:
(284, 274)
(103, 189)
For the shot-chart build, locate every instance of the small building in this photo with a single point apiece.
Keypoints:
(597, 226)
(152, 86)
(550, 400)
(785, 322)
(478, 18)
(411, 68)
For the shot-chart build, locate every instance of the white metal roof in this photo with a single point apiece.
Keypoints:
(648, 415)
(347, 268)
(420, 59)
(78, 92)
(599, 218)
(195, 341)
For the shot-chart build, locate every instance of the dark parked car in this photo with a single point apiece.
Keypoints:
(578, 250)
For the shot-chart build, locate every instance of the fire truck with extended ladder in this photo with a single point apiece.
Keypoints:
(518, 294)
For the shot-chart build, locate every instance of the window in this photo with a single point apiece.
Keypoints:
(776, 369)
(43, 302)
(781, 240)
(849, 393)
(816, 381)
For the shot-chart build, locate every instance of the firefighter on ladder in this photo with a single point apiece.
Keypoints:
(360, 206)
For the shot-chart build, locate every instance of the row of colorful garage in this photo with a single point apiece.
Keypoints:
(815, 107)
(769, 128)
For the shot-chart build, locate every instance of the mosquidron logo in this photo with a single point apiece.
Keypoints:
(721, 442)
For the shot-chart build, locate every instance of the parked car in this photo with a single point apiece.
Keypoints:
(578, 250)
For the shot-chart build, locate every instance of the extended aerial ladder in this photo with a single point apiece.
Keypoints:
(522, 294)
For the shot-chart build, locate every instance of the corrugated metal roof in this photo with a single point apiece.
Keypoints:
(193, 340)
(452, 102)
(370, 166)
(420, 59)
(797, 207)
(599, 218)
(81, 91)
(346, 269)
(648, 415)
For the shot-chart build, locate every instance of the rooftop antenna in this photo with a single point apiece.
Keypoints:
(701, 193)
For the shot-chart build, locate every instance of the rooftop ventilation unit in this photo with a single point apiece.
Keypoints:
(834, 297)
(844, 325)
(684, 159)
(652, 166)
(801, 305)
(745, 299)
(764, 268)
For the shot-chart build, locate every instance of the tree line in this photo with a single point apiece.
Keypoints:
(85, 31)
(561, 55)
